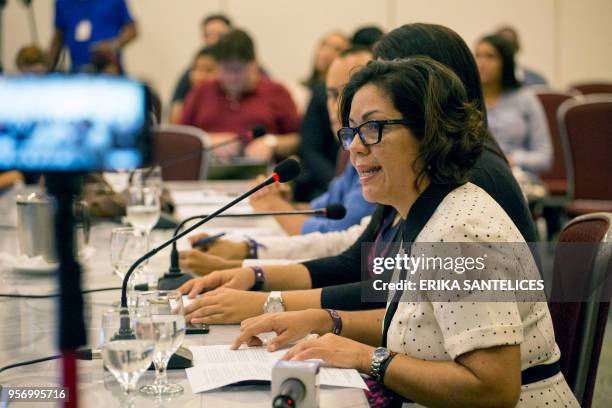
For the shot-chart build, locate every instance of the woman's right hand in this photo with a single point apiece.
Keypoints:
(238, 278)
(288, 326)
(222, 247)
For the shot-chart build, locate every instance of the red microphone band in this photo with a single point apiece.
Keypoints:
(276, 177)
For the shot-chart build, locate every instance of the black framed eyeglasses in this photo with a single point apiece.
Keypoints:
(370, 132)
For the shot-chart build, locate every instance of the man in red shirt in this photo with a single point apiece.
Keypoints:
(240, 99)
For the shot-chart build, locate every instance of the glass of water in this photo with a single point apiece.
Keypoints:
(143, 208)
(168, 318)
(127, 357)
(147, 177)
(126, 246)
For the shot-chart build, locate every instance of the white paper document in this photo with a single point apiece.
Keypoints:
(217, 366)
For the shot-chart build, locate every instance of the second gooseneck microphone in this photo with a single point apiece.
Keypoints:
(175, 277)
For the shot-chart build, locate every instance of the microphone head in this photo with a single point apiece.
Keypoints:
(286, 170)
(335, 211)
(258, 131)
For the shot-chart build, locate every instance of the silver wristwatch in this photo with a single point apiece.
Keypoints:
(274, 303)
(379, 356)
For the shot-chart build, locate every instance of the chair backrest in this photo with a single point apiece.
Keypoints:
(589, 88)
(586, 135)
(555, 178)
(179, 151)
(580, 326)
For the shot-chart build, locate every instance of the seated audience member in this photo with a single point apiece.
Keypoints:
(327, 49)
(240, 99)
(31, 60)
(345, 189)
(212, 28)
(525, 75)
(516, 117)
(90, 27)
(457, 353)
(366, 36)
(332, 45)
(204, 68)
(334, 282)
(319, 147)
(318, 150)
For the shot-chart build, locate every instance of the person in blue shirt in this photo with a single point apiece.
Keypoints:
(91, 30)
(344, 189)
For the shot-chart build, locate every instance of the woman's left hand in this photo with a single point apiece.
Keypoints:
(335, 350)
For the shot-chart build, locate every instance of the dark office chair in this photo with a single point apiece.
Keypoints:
(555, 178)
(179, 151)
(586, 136)
(580, 326)
(590, 88)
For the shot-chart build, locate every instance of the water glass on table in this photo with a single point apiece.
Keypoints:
(167, 314)
(143, 208)
(147, 177)
(127, 357)
(127, 244)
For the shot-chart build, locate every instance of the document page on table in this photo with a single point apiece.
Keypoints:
(217, 366)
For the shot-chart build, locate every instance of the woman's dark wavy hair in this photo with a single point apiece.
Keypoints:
(440, 115)
(506, 52)
(445, 46)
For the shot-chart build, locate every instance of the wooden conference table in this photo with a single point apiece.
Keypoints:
(28, 327)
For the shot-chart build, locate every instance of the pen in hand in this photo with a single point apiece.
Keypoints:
(207, 240)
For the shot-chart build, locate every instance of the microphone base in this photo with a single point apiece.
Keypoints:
(172, 281)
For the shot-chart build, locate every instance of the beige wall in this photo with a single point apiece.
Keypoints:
(567, 40)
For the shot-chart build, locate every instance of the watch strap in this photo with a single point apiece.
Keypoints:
(253, 248)
(260, 278)
(337, 321)
(383, 367)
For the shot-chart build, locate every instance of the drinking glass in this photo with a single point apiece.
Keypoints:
(126, 246)
(147, 177)
(127, 357)
(143, 208)
(168, 318)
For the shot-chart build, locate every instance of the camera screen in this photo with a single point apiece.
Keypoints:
(72, 123)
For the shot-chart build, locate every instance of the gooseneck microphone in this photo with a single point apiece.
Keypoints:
(175, 276)
(283, 172)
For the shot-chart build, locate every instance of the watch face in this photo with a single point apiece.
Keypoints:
(275, 306)
(381, 353)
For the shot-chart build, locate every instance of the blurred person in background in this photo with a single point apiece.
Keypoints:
(240, 99)
(90, 27)
(31, 60)
(328, 48)
(203, 68)
(527, 76)
(516, 117)
(319, 148)
(366, 36)
(212, 28)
